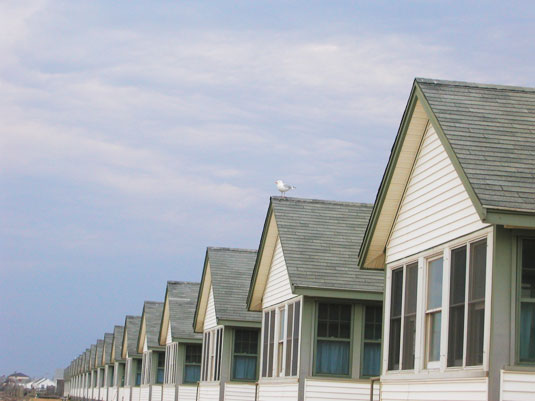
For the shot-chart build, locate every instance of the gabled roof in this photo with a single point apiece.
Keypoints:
(320, 241)
(87, 357)
(117, 349)
(98, 356)
(228, 272)
(150, 325)
(179, 310)
(108, 343)
(92, 356)
(130, 337)
(488, 133)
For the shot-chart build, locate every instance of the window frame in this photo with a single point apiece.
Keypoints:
(186, 345)
(273, 355)
(257, 355)
(487, 234)
(519, 299)
(428, 312)
(365, 341)
(212, 346)
(317, 338)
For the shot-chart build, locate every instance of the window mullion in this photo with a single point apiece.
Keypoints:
(401, 331)
(466, 292)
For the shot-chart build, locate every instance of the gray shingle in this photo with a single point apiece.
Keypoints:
(182, 302)
(231, 271)
(320, 242)
(491, 129)
(118, 333)
(132, 324)
(100, 349)
(92, 355)
(152, 312)
(108, 342)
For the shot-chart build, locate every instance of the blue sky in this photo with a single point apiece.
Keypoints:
(135, 133)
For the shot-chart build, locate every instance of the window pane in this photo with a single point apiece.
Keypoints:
(295, 342)
(397, 286)
(265, 344)
(244, 367)
(458, 276)
(193, 353)
(271, 342)
(476, 303)
(191, 373)
(371, 360)
(395, 320)
(456, 335)
(434, 321)
(434, 284)
(528, 268)
(372, 325)
(411, 288)
(527, 332)
(332, 357)
(409, 322)
(289, 331)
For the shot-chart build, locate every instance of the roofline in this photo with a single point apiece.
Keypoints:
(222, 248)
(474, 84)
(313, 200)
(196, 314)
(163, 310)
(416, 95)
(259, 253)
(322, 292)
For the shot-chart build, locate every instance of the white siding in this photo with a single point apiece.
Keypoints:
(339, 390)
(210, 318)
(169, 339)
(187, 393)
(144, 393)
(435, 207)
(517, 386)
(239, 391)
(278, 287)
(473, 389)
(277, 391)
(112, 394)
(102, 394)
(156, 392)
(124, 394)
(135, 394)
(209, 391)
(168, 392)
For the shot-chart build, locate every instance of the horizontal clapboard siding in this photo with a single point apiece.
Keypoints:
(339, 390)
(209, 392)
(277, 391)
(156, 392)
(436, 390)
(239, 391)
(124, 394)
(435, 207)
(134, 396)
(210, 320)
(517, 386)
(187, 393)
(278, 287)
(144, 393)
(102, 394)
(112, 394)
(168, 392)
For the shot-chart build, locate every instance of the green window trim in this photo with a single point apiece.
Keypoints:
(256, 355)
(318, 338)
(524, 296)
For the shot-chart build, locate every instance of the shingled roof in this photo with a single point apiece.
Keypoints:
(152, 313)
(182, 301)
(108, 342)
(92, 355)
(132, 324)
(118, 332)
(320, 241)
(98, 356)
(491, 129)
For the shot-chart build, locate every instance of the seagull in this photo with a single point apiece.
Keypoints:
(282, 187)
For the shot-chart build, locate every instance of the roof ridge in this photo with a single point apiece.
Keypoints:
(182, 282)
(475, 85)
(312, 200)
(222, 248)
(153, 302)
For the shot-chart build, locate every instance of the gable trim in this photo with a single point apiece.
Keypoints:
(165, 322)
(202, 298)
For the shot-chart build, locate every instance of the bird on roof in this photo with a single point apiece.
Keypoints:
(283, 188)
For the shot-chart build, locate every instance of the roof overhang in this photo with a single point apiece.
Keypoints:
(164, 324)
(142, 332)
(337, 293)
(268, 242)
(239, 323)
(416, 117)
(124, 351)
(202, 298)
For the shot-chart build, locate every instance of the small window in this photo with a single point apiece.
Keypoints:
(527, 302)
(112, 375)
(138, 370)
(212, 349)
(476, 303)
(457, 297)
(333, 339)
(433, 314)
(160, 368)
(396, 300)
(192, 363)
(245, 354)
(371, 358)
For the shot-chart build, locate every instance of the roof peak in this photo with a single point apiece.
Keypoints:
(474, 84)
(311, 200)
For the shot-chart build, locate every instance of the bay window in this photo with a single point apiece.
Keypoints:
(280, 340)
(333, 339)
(245, 354)
(526, 350)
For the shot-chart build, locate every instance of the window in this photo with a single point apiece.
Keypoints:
(527, 302)
(192, 363)
(280, 340)
(101, 377)
(160, 367)
(476, 303)
(121, 374)
(457, 298)
(333, 338)
(146, 377)
(212, 343)
(112, 374)
(245, 354)
(433, 314)
(371, 358)
(170, 362)
(403, 317)
(139, 364)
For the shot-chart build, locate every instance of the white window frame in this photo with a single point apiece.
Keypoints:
(422, 257)
(433, 365)
(275, 374)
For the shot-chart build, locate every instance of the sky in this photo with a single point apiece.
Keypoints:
(134, 134)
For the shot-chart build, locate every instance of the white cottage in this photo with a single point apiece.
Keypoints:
(153, 362)
(183, 347)
(454, 227)
(229, 367)
(321, 327)
(133, 360)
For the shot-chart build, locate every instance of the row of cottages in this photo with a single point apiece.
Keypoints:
(428, 294)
